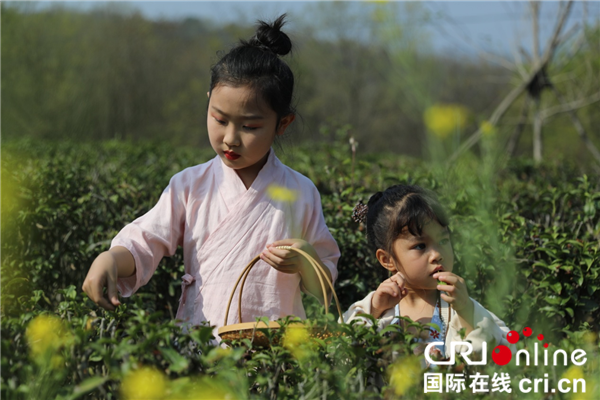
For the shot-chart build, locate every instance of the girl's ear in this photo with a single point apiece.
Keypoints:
(284, 123)
(386, 260)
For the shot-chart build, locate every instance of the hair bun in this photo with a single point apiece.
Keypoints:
(270, 37)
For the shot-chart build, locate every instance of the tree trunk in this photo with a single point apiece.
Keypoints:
(537, 132)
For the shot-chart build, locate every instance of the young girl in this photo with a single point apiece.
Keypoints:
(408, 229)
(221, 211)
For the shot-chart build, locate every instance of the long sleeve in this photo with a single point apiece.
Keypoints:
(361, 307)
(151, 237)
(487, 327)
(318, 235)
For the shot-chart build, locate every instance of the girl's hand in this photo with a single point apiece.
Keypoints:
(103, 273)
(290, 262)
(388, 294)
(454, 292)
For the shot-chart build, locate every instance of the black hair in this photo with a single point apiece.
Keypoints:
(398, 208)
(256, 63)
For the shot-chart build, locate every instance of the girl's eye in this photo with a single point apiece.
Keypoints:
(219, 121)
(420, 246)
(251, 128)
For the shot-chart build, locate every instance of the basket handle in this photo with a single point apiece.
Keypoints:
(315, 265)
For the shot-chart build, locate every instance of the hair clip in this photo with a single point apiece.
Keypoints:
(359, 214)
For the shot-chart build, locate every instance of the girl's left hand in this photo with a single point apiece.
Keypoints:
(287, 261)
(455, 294)
(290, 262)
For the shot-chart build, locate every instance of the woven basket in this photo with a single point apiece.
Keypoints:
(257, 331)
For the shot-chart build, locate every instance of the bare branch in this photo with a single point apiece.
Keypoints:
(553, 42)
(496, 115)
(578, 126)
(537, 131)
(572, 106)
(516, 92)
(519, 62)
(498, 60)
(535, 13)
(513, 141)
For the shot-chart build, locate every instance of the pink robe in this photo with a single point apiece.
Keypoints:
(222, 226)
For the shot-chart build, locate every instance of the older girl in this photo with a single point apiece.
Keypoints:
(221, 211)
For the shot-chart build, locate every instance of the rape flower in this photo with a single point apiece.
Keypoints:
(46, 334)
(404, 374)
(590, 338)
(296, 340)
(591, 385)
(441, 120)
(574, 372)
(280, 193)
(146, 383)
(487, 129)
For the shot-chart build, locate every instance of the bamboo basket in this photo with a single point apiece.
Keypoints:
(255, 331)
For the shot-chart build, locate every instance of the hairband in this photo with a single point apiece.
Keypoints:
(359, 214)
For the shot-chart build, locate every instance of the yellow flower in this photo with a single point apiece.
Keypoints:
(146, 383)
(590, 338)
(46, 333)
(441, 120)
(280, 193)
(574, 372)
(404, 374)
(591, 384)
(487, 129)
(297, 341)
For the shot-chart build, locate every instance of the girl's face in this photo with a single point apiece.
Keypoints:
(422, 256)
(241, 128)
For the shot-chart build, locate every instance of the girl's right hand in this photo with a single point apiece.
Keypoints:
(103, 273)
(388, 294)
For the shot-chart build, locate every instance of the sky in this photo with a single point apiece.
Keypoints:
(461, 27)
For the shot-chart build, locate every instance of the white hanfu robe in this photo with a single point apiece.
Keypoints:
(222, 226)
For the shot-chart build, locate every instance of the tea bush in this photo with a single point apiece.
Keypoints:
(526, 240)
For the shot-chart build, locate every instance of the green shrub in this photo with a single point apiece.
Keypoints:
(526, 241)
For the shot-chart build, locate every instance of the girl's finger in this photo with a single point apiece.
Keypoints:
(100, 300)
(398, 279)
(446, 298)
(112, 292)
(105, 304)
(266, 255)
(390, 289)
(278, 262)
(447, 277)
(281, 253)
(446, 288)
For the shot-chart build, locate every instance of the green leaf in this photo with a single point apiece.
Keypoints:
(87, 386)
(178, 363)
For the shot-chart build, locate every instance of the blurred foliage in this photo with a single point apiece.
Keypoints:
(526, 239)
(110, 73)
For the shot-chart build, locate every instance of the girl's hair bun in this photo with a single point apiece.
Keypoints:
(270, 37)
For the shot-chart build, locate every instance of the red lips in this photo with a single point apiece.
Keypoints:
(230, 155)
(438, 269)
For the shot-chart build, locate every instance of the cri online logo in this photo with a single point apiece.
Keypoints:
(502, 354)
